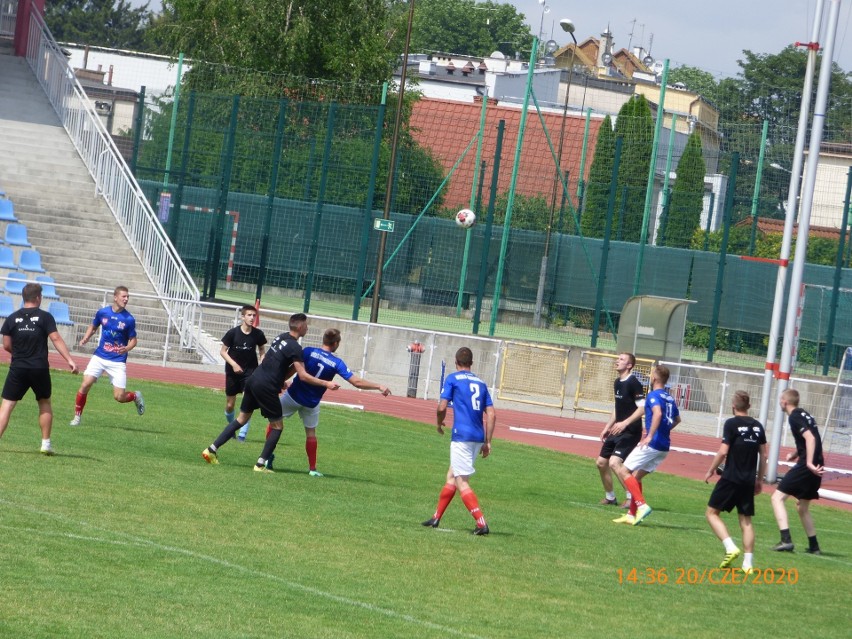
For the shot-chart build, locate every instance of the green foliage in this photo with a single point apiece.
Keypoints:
(529, 212)
(466, 27)
(105, 23)
(821, 250)
(687, 198)
(593, 220)
(636, 126)
(351, 40)
(696, 80)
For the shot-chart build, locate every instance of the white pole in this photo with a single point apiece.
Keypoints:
(790, 217)
(785, 368)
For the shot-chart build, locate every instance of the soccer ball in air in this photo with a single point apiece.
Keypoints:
(465, 218)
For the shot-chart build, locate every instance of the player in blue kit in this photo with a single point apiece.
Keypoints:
(661, 416)
(118, 338)
(471, 406)
(304, 398)
(282, 359)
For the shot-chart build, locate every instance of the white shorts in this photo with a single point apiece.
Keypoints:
(117, 371)
(645, 458)
(289, 407)
(462, 457)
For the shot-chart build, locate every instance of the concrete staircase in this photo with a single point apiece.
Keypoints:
(79, 240)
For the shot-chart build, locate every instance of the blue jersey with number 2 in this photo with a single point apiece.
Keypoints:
(470, 398)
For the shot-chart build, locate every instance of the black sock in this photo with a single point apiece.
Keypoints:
(228, 433)
(271, 443)
(785, 536)
(813, 543)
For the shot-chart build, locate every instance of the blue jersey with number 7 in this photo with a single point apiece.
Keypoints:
(470, 398)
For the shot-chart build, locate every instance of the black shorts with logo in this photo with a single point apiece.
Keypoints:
(264, 396)
(20, 380)
(728, 494)
(801, 483)
(620, 445)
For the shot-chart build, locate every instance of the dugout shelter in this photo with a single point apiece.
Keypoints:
(653, 327)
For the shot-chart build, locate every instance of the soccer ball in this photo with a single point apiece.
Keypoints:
(465, 218)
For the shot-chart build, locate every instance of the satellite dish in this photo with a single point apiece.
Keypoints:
(606, 58)
(497, 55)
(551, 46)
(648, 60)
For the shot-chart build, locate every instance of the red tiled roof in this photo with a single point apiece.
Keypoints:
(770, 225)
(446, 128)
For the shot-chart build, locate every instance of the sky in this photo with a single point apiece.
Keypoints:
(710, 35)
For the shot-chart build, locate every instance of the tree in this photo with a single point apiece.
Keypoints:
(105, 23)
(356, 41)
(466, 27)
(593, 220)
(696, 80)
(687, 198)
(636, 126)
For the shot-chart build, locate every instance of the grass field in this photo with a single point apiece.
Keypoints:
(128, 533)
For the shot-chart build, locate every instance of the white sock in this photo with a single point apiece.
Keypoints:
(730, 546)
(748, 559)
(45, 443)
(610, 495)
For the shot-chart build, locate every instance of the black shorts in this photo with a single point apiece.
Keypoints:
(620, 445)
(263, 396)
(728, 494)
(235, 383)
(20, 380)
(801, 483)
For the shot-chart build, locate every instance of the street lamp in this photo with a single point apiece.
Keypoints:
(569, 28)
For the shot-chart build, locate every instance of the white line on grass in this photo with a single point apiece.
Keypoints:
(138, 541)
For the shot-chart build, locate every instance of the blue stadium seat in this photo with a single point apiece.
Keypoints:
(60, 313)
(31, 261)
(48, 290)
(7, 211)
(7, 258)
(15, 283)
(7, 306)
(16, 235)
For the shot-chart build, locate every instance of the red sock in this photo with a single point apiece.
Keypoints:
(311, 450)
(635, 488)
(444, 499)
(131, 397)
(472, 503)
(80, 404)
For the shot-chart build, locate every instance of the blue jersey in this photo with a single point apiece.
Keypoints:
(470, 398)
(319, 363)
(666, 403)
(117, 329)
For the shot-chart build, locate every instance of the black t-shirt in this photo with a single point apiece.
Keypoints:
(243, 348)
(29, 328)
(627, 392)
(283, 351)
(801, 421)
(744, 437)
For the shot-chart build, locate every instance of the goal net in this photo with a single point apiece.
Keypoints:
(837, 431)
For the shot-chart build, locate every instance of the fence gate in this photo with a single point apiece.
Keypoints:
(533, 374)
(597, 373)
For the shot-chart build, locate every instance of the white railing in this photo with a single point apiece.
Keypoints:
(114, 181)
(8, 17)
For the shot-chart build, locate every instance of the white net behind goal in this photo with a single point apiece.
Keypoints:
(837, 432)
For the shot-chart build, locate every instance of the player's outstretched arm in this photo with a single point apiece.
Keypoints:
(365, 384)
(90, 330)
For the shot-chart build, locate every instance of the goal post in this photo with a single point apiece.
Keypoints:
(837, 432)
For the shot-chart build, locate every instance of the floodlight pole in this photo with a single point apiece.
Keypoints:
(383, 237)
(790, 216)
(788, 347)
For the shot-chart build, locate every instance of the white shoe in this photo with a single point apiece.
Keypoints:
(76, 421)
(140, 403)
(47, 449)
